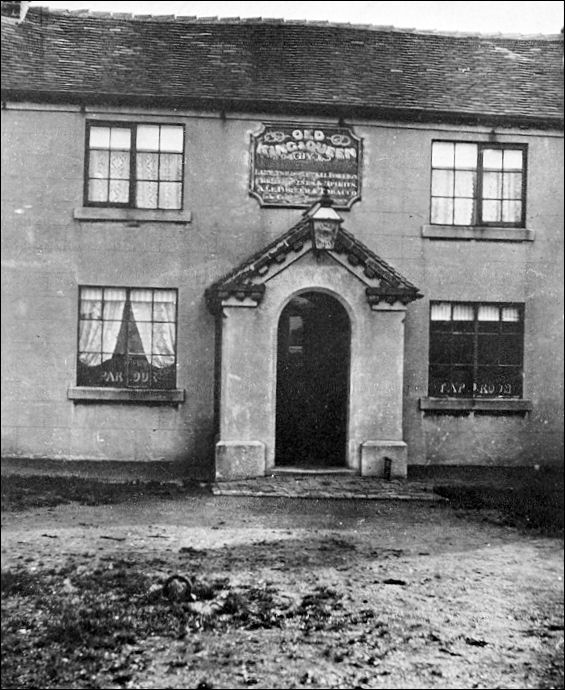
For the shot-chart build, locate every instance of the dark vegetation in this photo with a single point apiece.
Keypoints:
(531, 502)
(82, 628)
(42, 491)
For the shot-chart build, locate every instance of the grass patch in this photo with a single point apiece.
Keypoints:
(68, 628)
(38, 491)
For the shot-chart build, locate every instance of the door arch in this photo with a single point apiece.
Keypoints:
(312, 385)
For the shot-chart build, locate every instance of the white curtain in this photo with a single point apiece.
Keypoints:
(90, 339)
(463, 312)
(99, 331)
(441, 311)
(164, 328)
(488, 313)
(114, 303)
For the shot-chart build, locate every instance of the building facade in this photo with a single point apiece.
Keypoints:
(236, 246)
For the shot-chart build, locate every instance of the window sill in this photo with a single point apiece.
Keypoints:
(475, 405)
(131, 216)
(482, 233)
(134, 395)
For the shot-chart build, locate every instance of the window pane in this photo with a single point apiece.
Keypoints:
(119, 165)
(442, 211)
(463, 312)
(463, 211)
(492, 159)
(466, 156)
(147, 166)
(439, 381)
(440, 311)
(442, 183)
(169, 296)
(492, 185)
(169, 195)
(171, 167)
(120, 138)
(488, 312)
(97, 190)
(510, 314)
(100, 137)
(141, 302)
(114, 301)
(139, 373)
(163, 377)
(491, 211)
(163, 309)
(512, 185)
(510, 349)
(148, 137)
(462, 349)
(512, 211)
(163, 360)
(459, 383)
(465, 184)
(496, 381)
(163, 339)
(440, 348)
(488, 348)
(172, 138)
(119, 192)
(99, 164)
(90, 340)
(513, 159)
(135, 344)
(91, 303)
(164, 305)
(146, 195)
(443, 154)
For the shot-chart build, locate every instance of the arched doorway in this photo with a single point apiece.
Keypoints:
(314, 335)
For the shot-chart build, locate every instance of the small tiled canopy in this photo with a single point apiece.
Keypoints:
(248, 279)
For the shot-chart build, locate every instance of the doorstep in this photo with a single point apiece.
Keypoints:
(324, 484)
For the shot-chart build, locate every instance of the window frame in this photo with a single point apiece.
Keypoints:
(132, 187)
(478, 198)
(476, 364)
(124, 386)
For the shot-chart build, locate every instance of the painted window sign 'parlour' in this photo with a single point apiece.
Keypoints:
(127, 338)
(293, 163)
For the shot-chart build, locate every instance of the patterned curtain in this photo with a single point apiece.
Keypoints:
(164, 328)
(98, 332)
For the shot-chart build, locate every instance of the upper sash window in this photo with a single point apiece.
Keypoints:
(478, 184)
(134, 165)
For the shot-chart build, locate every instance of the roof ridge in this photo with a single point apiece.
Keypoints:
(193, 19)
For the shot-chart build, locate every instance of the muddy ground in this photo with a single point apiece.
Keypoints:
(197, 591)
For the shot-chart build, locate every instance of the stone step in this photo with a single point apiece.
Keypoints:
(324, 485)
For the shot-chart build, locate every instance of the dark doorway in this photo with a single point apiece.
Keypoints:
(312, 382)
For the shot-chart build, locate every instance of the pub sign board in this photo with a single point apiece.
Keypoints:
(292, 163)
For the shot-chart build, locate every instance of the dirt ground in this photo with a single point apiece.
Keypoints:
(278, 594)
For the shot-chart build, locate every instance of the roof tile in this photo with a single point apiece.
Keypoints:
(285, 64)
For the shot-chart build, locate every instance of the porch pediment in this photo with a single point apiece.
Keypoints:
(248, 281)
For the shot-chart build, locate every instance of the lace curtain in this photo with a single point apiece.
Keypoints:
(154, 313)
(157, 330)
(99, 332)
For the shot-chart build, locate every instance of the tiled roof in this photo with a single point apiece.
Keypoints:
(283, 66)
(247, 281)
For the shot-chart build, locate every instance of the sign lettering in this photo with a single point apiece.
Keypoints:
(292, 164)
(452, 388)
